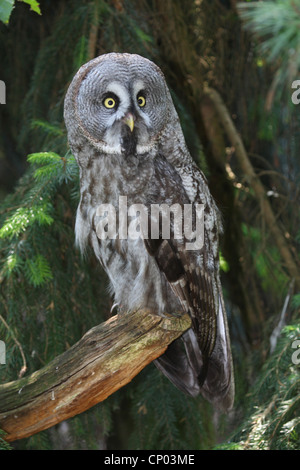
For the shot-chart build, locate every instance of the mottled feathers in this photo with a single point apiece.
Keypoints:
(125, 134)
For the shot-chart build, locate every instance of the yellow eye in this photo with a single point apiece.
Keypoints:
(141, 101)
(109, 103)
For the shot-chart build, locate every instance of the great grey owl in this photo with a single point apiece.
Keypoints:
(126, 136)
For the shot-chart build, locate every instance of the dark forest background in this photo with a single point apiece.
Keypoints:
(230, 67)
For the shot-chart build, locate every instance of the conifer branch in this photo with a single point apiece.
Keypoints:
(105, 359)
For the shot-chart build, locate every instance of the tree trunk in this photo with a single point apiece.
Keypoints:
(240, 283)
(289, 262)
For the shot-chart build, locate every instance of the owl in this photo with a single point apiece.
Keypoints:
(125, 134)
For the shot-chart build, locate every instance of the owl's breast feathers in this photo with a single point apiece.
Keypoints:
(193, 275)
(128, 138)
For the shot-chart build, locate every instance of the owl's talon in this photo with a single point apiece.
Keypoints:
(115, 305)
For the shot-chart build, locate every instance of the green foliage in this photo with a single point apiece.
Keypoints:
(24, 217)
(3, 444)
(266, 259)
(50, 296)
(296, 301)
(276, 24)
(24, 252)
(6, 9)
(224, 266)
(37, 270)
(273, 417)
(7, 6)
(164, 418)
(34, 5)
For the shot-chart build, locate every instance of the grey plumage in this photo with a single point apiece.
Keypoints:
(125, 134)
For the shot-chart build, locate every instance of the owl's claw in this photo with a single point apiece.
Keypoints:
(113, 307)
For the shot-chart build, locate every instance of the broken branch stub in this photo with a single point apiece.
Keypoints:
(105, 359)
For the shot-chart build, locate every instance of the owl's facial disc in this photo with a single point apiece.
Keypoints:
(122, 107)
(128, 124)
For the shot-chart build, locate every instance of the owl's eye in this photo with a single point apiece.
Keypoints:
(110, 102)
(141, 101)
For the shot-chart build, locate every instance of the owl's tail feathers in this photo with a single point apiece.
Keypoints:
(175, 365)
(187, 370)
(218, 386)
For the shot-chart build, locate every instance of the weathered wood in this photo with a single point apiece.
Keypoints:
(105, 359)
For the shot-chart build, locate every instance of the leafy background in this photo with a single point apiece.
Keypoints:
(50, 296)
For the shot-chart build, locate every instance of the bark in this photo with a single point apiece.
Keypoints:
(105, 359)
(93, 36)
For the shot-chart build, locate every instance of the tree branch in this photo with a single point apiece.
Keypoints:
(258, 188)
(105, 359)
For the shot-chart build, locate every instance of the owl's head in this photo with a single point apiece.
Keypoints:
(118, 102)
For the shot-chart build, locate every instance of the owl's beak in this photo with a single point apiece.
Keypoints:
(129, 121)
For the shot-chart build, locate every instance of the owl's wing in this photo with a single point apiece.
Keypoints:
(192, 284)
(204, 364)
